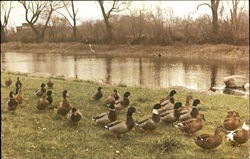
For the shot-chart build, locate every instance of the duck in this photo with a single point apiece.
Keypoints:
(49, 97)
(74, 117)
(232, 113)
(40, 92)
(8, 82)
(172, 116)
(151, 123)
(43, 103)
(123, 103)
(106, 117)
(232, 121)
(210, 141)
(19, 97)
(64, 107)
(12, 103)
(50, 84)
(112, 98)
(192, 125)
(192, 114)
(98, 95)
(119, 127)
(18, 83)
(168, 98)
(239, 136)
(188, 106)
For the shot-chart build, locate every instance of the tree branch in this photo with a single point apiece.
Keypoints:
(204, 4)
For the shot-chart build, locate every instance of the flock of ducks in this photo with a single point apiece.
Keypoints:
(167, 111)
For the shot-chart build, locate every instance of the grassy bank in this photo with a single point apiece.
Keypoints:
(32, 134)
(177, 50)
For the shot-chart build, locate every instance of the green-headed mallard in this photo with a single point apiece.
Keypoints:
(106, 117)
(122, 126)
(12, 103)
(232, 122)
(239, 136)
(41, 91)
(112, 98)
(188, 106)
(192, 114)
(168, 98)
(123, 103)
(98, 95)
(210, 141)
(172, 115)
(50, 84)
(8, 82)
(192, 125)
(74, 117)
(43, 103)
(18, 83)
(152, 122)
(64, 107)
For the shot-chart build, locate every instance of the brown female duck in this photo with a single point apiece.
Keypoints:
(64, 107)
(120, 126)
(74, 117)
(152, 122)
(112, 98)
(43, 103)
(41, 91)
(239, 136)
(98, 95)
(172, 116)
(50, 84)
(106, 117)
(8, 82)
(19, 96)
(192, 125)
(210, 141)
(192, 114)
(232, 121)
(12, 103)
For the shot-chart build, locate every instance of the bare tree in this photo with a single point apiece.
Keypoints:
(39, 9)
(72, 12)
(6, 8)
(214, 8)
(116, 7)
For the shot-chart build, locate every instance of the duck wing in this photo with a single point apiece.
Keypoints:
(99, 116)
(112, 124)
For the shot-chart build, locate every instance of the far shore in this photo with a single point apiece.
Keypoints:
(208, 51)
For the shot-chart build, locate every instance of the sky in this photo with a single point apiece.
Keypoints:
(90, 10)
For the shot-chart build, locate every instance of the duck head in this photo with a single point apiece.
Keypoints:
(65, 94)
(17, 79)
(172, 93)
(232, 113)
(112, 105)
(99, 88)
(42, 85)
(11, 94)
(130, 111)
(126, 94)
(201, 116)
(196, 102)
(115, 90)
(156, 108)
(49, 93)
(177, 105)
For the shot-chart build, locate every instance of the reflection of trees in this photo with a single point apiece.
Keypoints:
(140, 72)
(75, 66)
(157, 66)
(231, 69)
(108, 64)
(214, 70)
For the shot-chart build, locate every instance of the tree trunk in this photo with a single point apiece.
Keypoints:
(106, 20)
(3, 36)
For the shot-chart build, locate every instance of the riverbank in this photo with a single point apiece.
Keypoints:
(177, 50)
(46, 136)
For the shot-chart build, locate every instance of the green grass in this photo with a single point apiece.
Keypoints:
(29, 133)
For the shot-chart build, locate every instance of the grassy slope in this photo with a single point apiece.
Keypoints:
(32, 134)
(177, 50)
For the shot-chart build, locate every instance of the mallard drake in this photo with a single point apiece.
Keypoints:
(112, 98)
(239, 136)
(98, 95)
(168, 98)
(74, 117)
(172, 116)
(106, 117)
(43, 103)
(8, 82)
(210, 141)
(49, 97)
(12, 103)
(121, 104)
(18, 83)
(232, 122)
(40, 92)
(64, 107)
(192, 125)
(122, 126)
(50, 84)
(152, 122)
(193, 113)
(19, 97)
(187, 107)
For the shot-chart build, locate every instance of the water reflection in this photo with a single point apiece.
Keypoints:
(131, 71)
